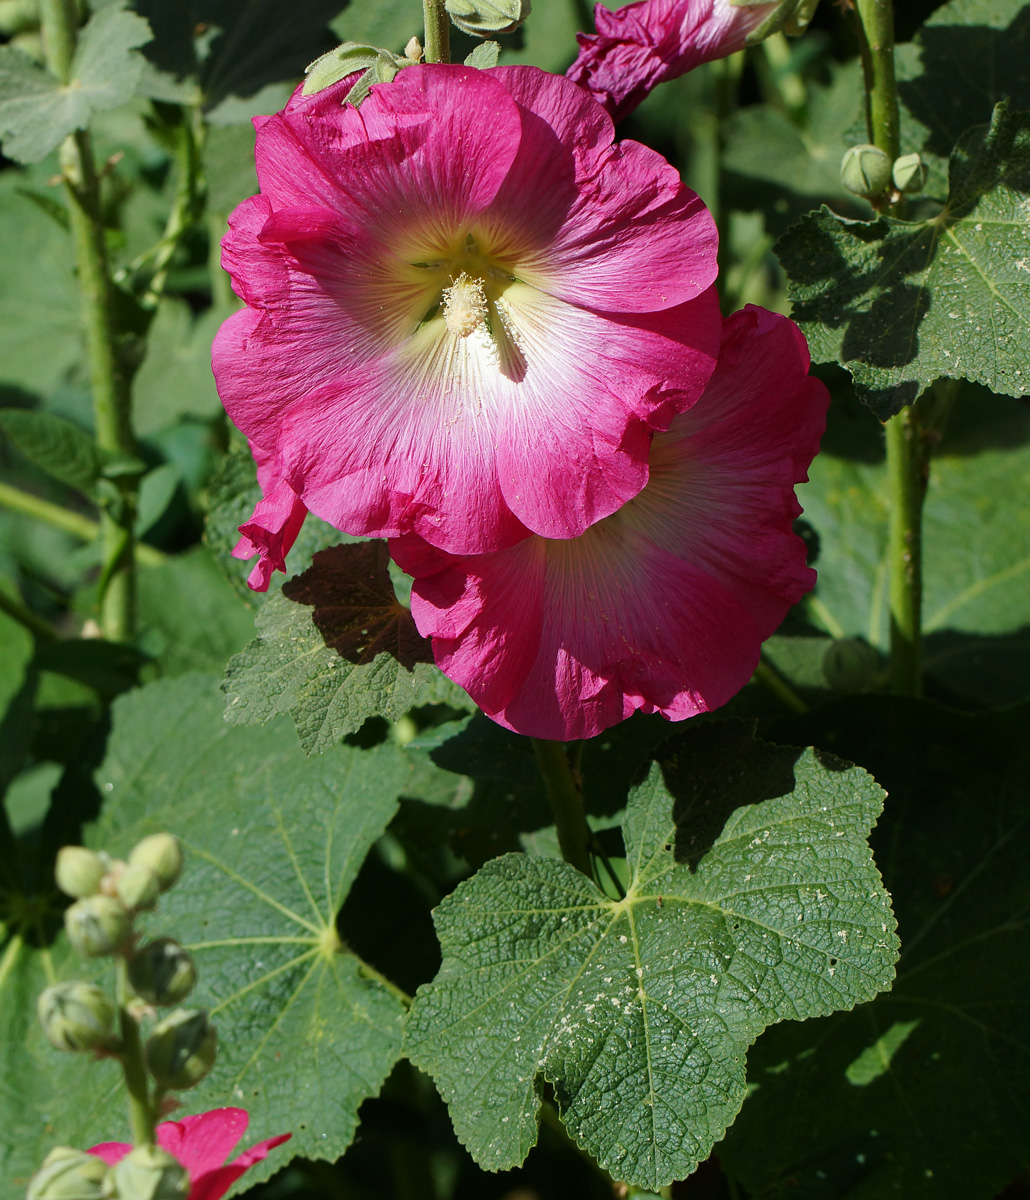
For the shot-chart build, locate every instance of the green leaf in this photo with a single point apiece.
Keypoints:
(37, 111)
(901, 303)
(40, 323)
(484, 55)
(229, 166)
(334, 649)
(969, 55)
(16, 650)
(273, 842)
(923, 1093)
(190, 618)
(56, 445)
(232, 495)
(640, 1012)
(175, 380)
(976, 602)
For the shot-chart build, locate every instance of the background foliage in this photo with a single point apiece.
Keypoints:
(353, 790)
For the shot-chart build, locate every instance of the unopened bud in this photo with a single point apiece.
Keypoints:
(137, 887)
(851, 665)
(97, 925)
(68, 1174)
(866, 171)
(162, 853)
(78, 871)
(910, 173)
(483, 17)
(76, 1016)
(181, 1050)
(150, 1173)
(162, 973)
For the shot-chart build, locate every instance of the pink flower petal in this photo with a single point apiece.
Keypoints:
(214, 1184)
(533, 408)
(274, 525)
(663, 606)
(111, 1152)
(640, 45)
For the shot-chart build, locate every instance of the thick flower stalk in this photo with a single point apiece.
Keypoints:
(663, 606)
(468, 310)
(641, 45)
(202, 1144)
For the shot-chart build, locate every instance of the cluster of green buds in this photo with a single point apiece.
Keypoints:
(869, 172)
(108, 896)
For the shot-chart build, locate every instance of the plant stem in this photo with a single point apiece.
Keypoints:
(438, 32)
(67, 521)
(877, 18)
(186, 205)
(142, 1115)
(25, 616)
(574, 835)
(905, 463)
(109, 382)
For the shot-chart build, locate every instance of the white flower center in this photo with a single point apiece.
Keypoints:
(464, 305)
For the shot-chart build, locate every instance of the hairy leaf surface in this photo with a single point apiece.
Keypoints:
(640, 1012)
(902, 303)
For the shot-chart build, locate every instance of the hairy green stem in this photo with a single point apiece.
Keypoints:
(69, 522)
(905, 463)
(187, 203)
(142, 1111)
(574, 834)
(438, 32)
(25, 616)
(109, 382)
(877, 19)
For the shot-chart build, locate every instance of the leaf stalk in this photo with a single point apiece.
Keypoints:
(574, 835)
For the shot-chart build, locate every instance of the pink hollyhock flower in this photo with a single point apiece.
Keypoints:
(662, 606)
(467, 308)
(201, 1144)
(641, 45)
(274, 526)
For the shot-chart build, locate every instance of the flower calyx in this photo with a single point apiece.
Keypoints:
(480, 18)
(162, 973)
(865, 170)
(162, 854)
(372, 63)
(791, 17)
(68, 1174)
(181, 1050)
(98, 926)
(76, 1016)
(909, 173)
(149, 1173)
(78, 871)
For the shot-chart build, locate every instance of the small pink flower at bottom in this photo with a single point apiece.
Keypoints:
(639, 46)
(201, 1144)
(272, 529)
(664, 605)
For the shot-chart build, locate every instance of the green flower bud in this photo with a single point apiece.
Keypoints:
(76, 1016)
(137, 887)
(162, 973)
(866, 171)
(97, 925)
(910, 173)
(162, 853)
(851, 665)
(150, 1173)
(181, 1050)
(68, 1175)
(79, 871)
(483, 17)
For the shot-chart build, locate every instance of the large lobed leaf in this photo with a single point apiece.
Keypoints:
(640, 1011)
(903, 303)
(273, 843)
(336, 648)
(37, 111)
(925, 1093)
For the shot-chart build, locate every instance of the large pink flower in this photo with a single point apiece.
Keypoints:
(641, 45)
(664, 605)
(201, 1144)
(467, 309)
(274, 526)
